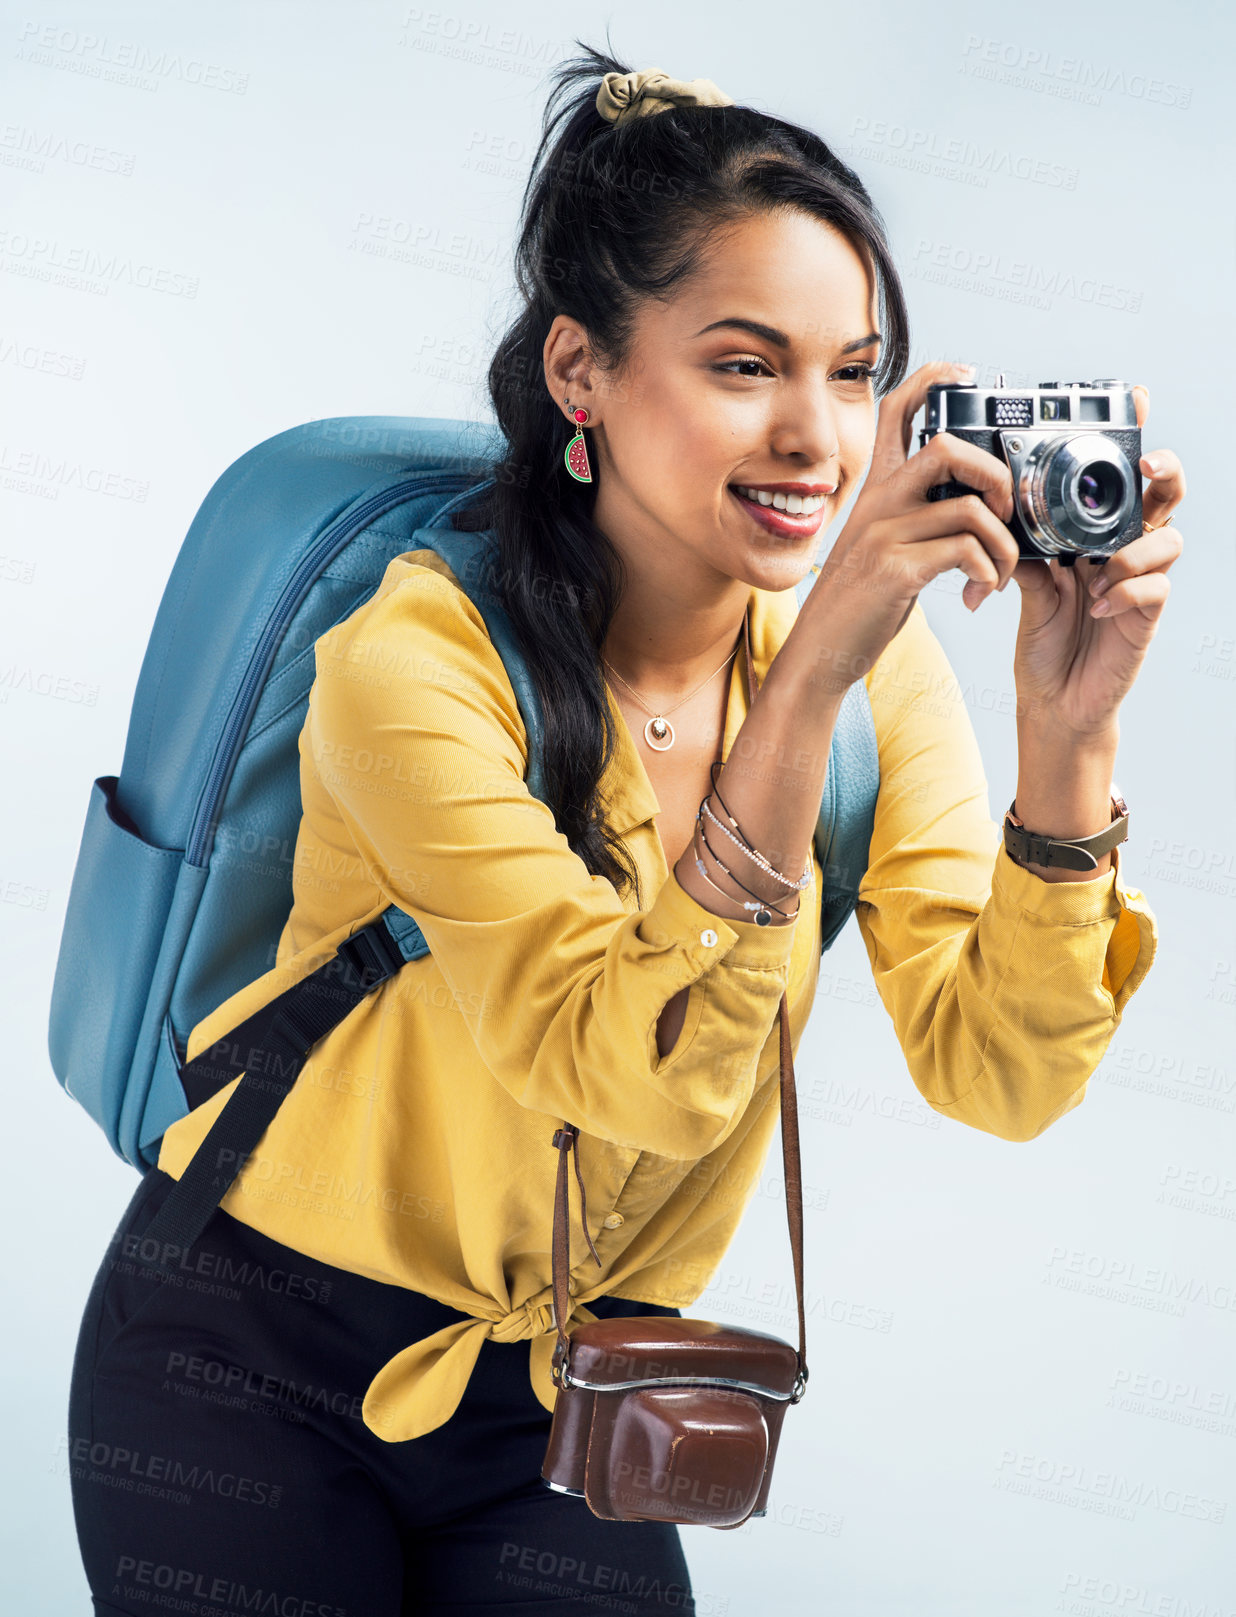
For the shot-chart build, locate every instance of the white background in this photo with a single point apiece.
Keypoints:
(990, 1452)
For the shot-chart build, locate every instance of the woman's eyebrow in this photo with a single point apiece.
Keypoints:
(778, 338)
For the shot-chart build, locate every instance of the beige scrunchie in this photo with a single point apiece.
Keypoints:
(637, 95)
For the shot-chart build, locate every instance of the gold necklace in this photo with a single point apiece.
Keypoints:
(659, 732)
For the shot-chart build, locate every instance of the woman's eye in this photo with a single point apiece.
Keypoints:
(747, 359)
(849, 373)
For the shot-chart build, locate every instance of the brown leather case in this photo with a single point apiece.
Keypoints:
(698, 1449)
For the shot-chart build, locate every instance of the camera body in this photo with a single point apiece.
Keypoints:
(1073, 450)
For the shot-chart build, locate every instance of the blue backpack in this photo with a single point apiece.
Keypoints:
(183, 881)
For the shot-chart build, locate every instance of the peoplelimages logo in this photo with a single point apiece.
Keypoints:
(82, 267)
(989, 273)
(1140, 1285)
(35, 471)
(1173, 1399)
(964, 159)
(1065, 76)
(120, 61)
(1101, 1491)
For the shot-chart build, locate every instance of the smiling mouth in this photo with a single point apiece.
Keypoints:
(796, 503)
(783, 523)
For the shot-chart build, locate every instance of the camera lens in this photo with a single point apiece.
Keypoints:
(1076, 491)
(1099, 489)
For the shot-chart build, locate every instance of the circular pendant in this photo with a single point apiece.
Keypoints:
(659, 734)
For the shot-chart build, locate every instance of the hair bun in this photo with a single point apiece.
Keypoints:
(638, 95)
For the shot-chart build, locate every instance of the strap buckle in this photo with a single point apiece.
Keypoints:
(370, 955)
(1073, 853)
(557, 1365)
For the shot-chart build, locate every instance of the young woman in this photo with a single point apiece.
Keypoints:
(345, 1405)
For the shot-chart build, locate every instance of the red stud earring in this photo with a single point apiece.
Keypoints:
(576, 453)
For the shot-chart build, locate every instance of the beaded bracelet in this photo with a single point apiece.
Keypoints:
(757, 857)
(796, 886)
(764, 910)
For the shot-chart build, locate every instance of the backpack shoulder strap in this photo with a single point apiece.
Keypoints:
(847, 812)
(473, 558)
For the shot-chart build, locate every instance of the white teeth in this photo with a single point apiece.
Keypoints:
(793, 504)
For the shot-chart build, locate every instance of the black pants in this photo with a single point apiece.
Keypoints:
(220, 1465)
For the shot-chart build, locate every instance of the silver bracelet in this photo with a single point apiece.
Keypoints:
(760, 908)
(795, 886)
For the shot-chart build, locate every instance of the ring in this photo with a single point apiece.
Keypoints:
(1147, 528)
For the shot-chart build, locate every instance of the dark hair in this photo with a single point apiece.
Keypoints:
(614, 213)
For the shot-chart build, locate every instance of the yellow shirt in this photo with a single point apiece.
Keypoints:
(415, 1147)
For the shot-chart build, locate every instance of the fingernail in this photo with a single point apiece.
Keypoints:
(1152, 465)
(962, 370)
(1099, 608)
(1100, 584)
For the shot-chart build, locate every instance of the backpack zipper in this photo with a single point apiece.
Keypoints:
(201, 836)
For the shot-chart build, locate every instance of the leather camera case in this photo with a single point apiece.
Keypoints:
(669, 1419)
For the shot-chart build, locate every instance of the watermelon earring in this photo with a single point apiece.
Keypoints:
(576, 453)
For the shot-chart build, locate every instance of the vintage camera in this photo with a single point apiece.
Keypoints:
(1073, 449)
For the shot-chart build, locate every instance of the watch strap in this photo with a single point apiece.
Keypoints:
(1072, 853)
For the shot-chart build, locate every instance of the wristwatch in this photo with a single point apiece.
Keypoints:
(1074, 853)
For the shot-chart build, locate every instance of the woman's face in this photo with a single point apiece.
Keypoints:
(697, 414)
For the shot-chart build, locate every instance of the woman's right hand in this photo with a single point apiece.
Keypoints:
(896, 540)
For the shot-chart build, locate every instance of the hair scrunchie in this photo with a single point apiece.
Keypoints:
(638, 95)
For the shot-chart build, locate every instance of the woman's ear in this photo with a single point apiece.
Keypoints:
(568, 363)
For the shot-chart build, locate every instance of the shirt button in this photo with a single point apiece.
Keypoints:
(611, 1221)
(708, 937)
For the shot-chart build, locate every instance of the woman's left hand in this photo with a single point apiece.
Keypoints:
(1073, 668)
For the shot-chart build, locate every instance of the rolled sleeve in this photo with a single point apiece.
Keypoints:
(741, 991)
(1131, 939)
(560, 984)
(1004, 989)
